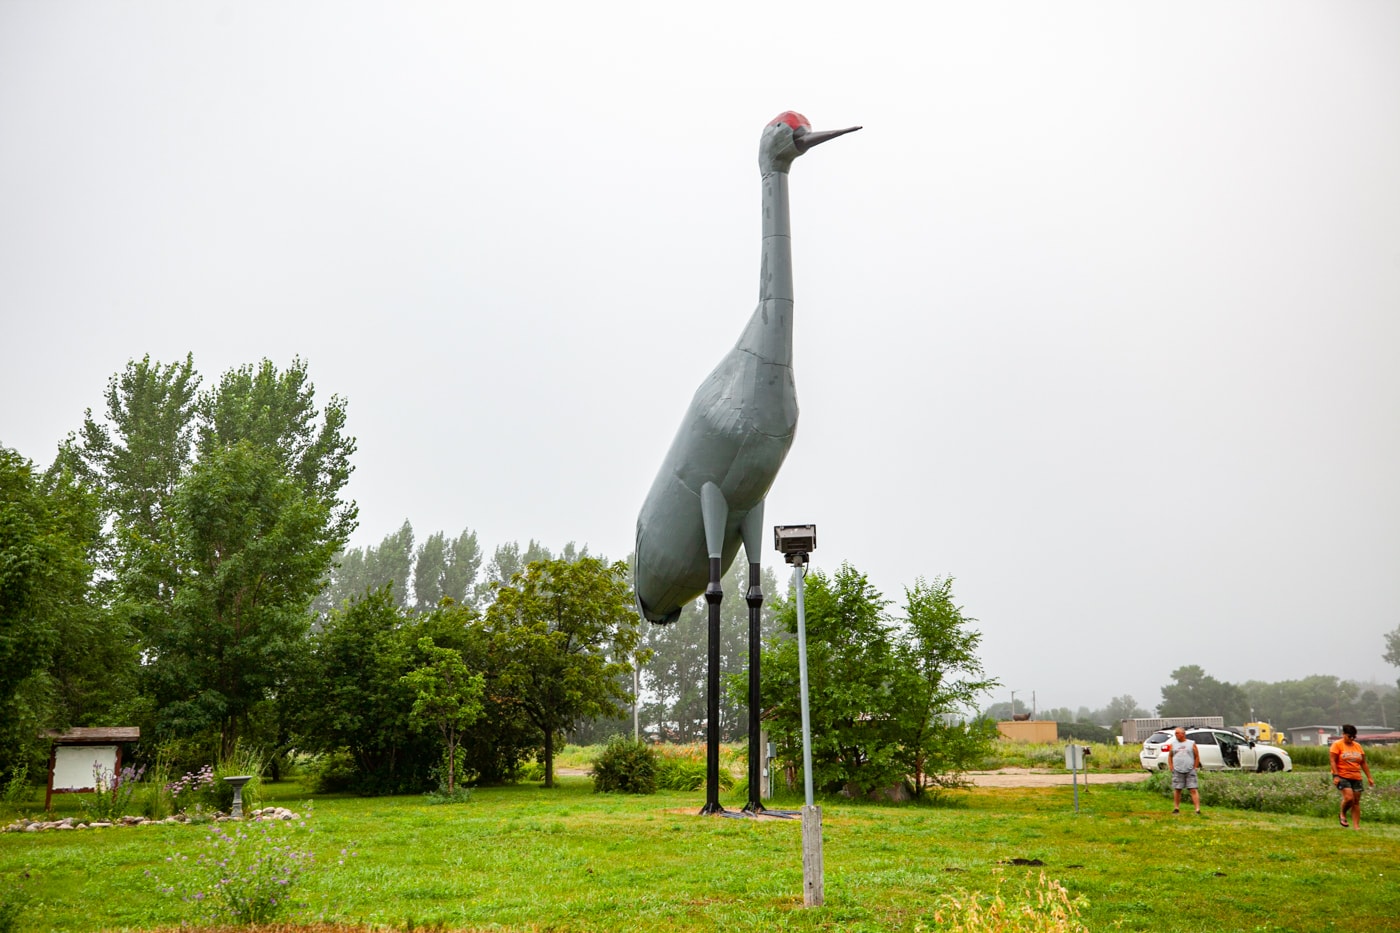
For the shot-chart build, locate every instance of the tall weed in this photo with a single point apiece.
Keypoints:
(1103, 756)
(246, 874)
(1047, 908)
(112, 793)
(17, 787)
(1319, 756)
(243, 761)
(684, 767)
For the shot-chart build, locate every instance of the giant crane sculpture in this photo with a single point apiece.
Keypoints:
(708, 496)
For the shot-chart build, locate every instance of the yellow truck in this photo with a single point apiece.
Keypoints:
(1265, 733)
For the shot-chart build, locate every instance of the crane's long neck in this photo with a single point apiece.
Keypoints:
(769, 333)
(775, 283)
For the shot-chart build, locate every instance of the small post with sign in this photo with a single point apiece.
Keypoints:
(1074, 760)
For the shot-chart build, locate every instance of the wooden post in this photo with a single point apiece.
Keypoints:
(813, 889)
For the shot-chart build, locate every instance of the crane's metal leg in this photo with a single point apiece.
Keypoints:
(754, 598)
(715, 512)
(752, 531)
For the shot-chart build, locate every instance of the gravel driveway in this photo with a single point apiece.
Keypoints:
(1029, 777)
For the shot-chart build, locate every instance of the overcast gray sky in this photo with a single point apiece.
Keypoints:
(1099, 314)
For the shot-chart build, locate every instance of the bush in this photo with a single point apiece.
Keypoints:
(625, 767)
(458, 794)
(333, 773)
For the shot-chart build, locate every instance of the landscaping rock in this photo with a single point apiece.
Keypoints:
(273, 813)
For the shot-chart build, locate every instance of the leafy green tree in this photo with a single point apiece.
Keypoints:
(136, 457)
(1392, 647)
(253, 547)
(446, 695)
(887, 700)
(43, 575)
(354, 697)
(1193, 692)
(853, 691)
(28, 550)
(1003, 711)
(563, 635)
(1315, 700)
(1120, 708)
(276, 412)
(446, 569)
(940, 679)
(506, 561)
(392, 563)
(142, 451)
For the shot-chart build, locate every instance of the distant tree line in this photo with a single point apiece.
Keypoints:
(1316, 700)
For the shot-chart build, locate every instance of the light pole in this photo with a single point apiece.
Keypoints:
(796, 543)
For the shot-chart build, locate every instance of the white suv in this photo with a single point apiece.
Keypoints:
(1221, 749)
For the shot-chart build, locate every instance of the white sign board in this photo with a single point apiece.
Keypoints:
(73, 765)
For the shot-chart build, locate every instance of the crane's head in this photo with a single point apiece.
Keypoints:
(787, 137)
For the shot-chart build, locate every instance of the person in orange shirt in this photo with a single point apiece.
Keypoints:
(1348, 762)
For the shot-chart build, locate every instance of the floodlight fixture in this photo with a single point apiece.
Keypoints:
(795, 542)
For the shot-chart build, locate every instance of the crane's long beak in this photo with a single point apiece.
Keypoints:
(817, 137)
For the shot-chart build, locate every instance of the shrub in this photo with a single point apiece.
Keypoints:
(333, 773)
(625, 767)
(458, 794)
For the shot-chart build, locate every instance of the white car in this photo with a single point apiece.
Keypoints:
(1220, 749)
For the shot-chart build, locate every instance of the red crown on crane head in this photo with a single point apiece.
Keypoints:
(793, 119)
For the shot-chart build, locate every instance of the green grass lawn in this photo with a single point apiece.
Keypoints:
(525, 858)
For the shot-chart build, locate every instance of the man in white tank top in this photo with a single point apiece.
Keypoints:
(1186, 761)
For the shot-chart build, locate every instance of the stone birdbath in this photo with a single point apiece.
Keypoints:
(238, 783)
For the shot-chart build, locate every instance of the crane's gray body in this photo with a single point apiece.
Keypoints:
(708, 497)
